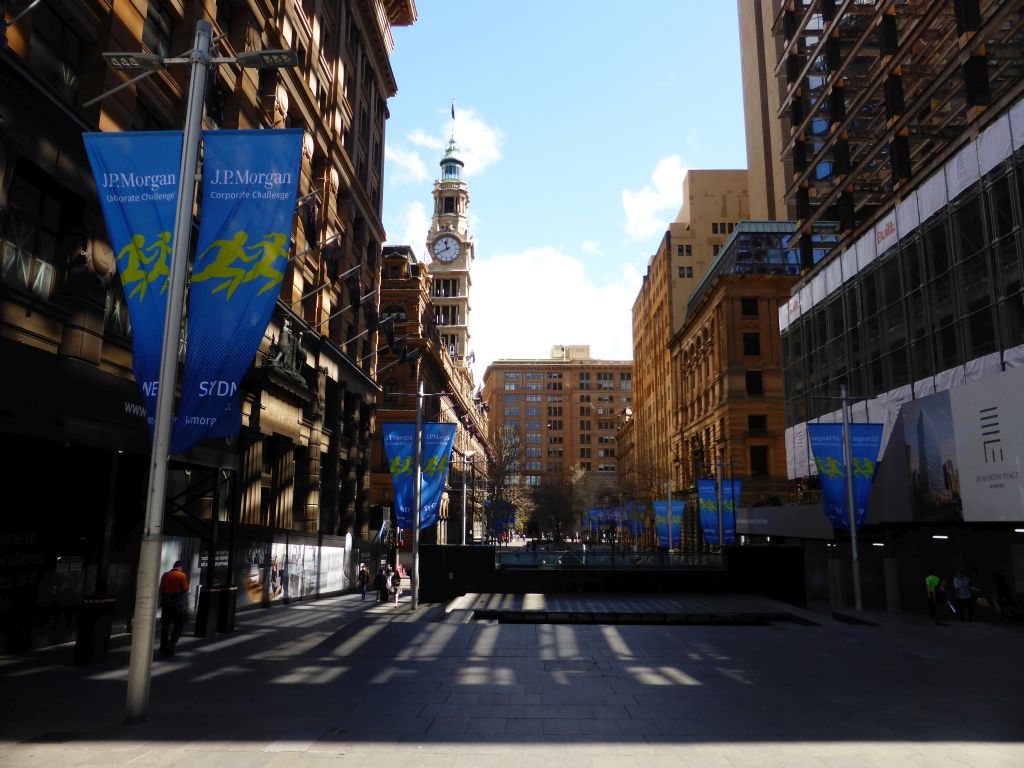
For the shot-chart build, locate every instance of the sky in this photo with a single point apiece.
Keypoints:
(576, 120)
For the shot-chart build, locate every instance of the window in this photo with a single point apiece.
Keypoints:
(532, 424)
(680, 251)
(511, 386)
(449, 205)
(714, 249)
(512, 412)
(55, 52)
(533, 479)
(534, 385)
(584, 453)
(714, 228)
(748, 306)
(390, 390)
(755, 383)
(686, 272)
(512, 375)
(156, 32)
(625, 381)
(585, 439)
(28, 237)
(689, 250)
(759, 461)
(584, 380)
(533, 466)
(606, 453)
(757, 424)
(555, 424)
(752, 344)
(585, 466)
(533, 453)
(532, 438)
(533, 398)
(394, 311)
(533, 410)
(555, 453)
(605, 424)
(606, 380)
(606, 439)
(554, 410)
(731, 227)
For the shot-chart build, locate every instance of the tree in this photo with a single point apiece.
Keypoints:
(555, 508)
(506, 486)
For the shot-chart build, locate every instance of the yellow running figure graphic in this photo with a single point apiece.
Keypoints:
(273, 248)
(133, 273)
(228, 252)
(160, 250)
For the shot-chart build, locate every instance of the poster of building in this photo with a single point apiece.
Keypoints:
(930, 455)
(989, 423)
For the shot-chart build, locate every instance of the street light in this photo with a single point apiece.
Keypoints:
(465, 459)
(141, 659)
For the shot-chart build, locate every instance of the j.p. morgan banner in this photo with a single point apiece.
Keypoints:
(668, 529)
(137, 180)
(399, 445)
(827, 445)
(250, 180)
(707, 493)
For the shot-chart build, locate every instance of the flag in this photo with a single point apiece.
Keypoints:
(355, 290)
(307, 209)
(332, 260)
(453, 109)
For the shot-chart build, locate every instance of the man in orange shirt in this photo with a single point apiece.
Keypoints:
(174, 607)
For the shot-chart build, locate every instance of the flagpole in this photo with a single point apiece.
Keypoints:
(417, 461)
(851, 512)
(141, 657)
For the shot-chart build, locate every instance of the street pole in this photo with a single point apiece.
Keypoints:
(847, 456)
(718, 473)
(417, 461)
(669, 513)
(463, 537)
(141, 659)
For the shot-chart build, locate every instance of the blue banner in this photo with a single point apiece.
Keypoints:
(827, 445)
(137, 181)
(250, 179)
(707, 493)
(399, 441)
(661, 522)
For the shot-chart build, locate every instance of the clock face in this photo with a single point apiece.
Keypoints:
(447, 249)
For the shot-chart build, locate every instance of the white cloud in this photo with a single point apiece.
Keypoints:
(413, 224)
(479, 143)
(646, 208)
(591, 247)
(421, 138)
(525, 303)
(405, 166)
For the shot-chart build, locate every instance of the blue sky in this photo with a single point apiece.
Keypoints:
(576, 120)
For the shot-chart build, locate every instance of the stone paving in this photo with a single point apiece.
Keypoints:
(342, 682)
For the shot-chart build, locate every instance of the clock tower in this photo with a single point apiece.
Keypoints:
(451, 255)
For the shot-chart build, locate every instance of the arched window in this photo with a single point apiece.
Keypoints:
(394, 311)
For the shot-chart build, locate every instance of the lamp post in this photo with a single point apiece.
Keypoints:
(141, 659)
(465, 459)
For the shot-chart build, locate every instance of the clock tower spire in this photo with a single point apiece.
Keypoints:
(451, 250)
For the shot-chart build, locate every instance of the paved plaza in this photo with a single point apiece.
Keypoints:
(342, 682)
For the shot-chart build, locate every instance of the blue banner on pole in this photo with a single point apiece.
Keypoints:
(399, 443)
(661, 522)
(827, 446)
(250, 179)
(707, 493)
(136, 177)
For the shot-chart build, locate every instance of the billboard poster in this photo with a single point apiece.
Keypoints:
(988, 434)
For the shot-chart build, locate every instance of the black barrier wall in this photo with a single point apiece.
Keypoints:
(449, 571)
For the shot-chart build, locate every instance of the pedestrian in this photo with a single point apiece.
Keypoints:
(396, 584)
(380, 583)
(931, 583)
(173, 607)
(964, 596)
(363, 580)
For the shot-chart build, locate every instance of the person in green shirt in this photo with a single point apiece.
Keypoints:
(931, 583)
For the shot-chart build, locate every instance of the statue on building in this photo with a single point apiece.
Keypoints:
(285, 353)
